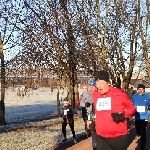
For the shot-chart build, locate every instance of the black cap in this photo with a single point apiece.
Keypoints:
(102, 75)
(141, 86)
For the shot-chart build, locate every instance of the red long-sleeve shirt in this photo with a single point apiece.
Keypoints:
(118, 102)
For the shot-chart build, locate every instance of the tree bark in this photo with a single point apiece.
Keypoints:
(2, 105)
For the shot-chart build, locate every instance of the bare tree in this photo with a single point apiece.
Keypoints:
(65, 41)
(143, 17)
(2, 67)
(7, 41)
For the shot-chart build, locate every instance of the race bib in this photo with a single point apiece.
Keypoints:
(103, 104)
(65, 112)
(140, 108)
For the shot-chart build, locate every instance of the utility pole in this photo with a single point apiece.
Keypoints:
(2, 83)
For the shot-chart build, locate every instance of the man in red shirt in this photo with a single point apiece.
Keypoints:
(112, 107)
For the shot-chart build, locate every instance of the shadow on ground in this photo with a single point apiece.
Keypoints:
(69, 144)
(131, 130)
(132, 135)
(134, 144)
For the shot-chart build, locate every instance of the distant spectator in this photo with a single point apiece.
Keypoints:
(18, 91)
(22, 91)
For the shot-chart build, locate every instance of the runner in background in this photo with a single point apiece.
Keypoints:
(68, 119)
(141, 101)
(130, 91)
(85, 89)
(87, 102)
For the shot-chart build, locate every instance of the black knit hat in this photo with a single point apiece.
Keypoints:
(102, 75)
(141, 86)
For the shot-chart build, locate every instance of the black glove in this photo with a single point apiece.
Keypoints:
(87, 104)
(118, 117)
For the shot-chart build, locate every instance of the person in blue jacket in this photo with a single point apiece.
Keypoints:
(141, 101)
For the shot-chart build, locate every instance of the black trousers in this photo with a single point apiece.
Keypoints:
(140, 126)
(64, 124)
(84, 114)
(117, 143)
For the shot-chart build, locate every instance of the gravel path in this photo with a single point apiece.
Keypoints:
(46, 135)
(83, 143)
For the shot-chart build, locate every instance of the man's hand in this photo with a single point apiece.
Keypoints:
(87, 104)
(118, 117)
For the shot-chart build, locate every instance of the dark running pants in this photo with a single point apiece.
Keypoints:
(64, 124)
(140, 126)
(84, 114)
(117, 143)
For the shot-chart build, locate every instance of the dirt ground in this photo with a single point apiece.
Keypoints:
(83, 143)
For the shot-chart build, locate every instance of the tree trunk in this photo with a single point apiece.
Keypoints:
(69, 91)
(58, 102)
(76, 92)
(2, 105)
(143, 38)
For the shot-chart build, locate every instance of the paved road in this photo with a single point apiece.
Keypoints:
(83, 143)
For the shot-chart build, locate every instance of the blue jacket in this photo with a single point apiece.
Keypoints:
(141, 102)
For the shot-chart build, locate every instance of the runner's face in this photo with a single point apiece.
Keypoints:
(130, 86)
(102, 86)
(141, 91)
(85, 88)
(66, 103)
(92, 88)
